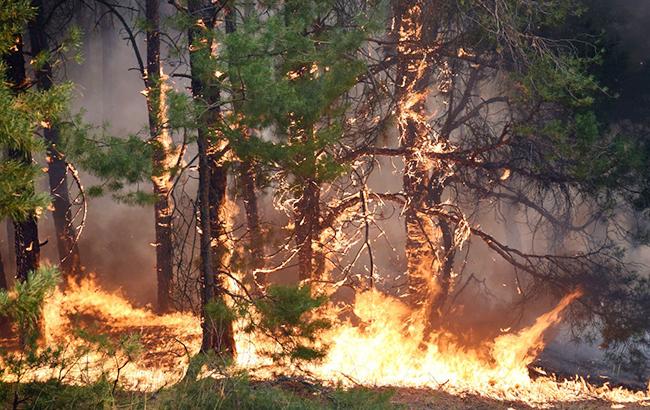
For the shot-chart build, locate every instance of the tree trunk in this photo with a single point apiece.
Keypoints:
(161, 141)
(218, 333)
(26, 244)
(27, 247)
(247, 177)
(67, 247)
(3, 278)
(307, 211)
(10, 260)
(428, 240)
(5, 325)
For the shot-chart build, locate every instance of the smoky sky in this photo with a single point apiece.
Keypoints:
(621, 29)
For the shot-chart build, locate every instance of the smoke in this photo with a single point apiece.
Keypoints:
(627, 23)
(116, 241)
(115, 245)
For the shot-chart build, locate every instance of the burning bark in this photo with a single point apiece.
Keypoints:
(217, 331)
(161, 141)
(428, 240)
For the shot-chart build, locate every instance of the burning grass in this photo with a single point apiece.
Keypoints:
(387, 348)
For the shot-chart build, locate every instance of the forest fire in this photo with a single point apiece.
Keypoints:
(387, 348)
(407, 194)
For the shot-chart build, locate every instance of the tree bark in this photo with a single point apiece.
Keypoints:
(3, 277)
(247, 177)
(159, 137)
(67, 247)
(307, 211)
(428, 239)
(218, 333)
(26, 244)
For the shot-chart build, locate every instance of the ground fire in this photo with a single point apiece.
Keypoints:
(324, 204)
(386, 348)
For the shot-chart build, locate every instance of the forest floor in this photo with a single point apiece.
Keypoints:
(284, 393)
(421, 399)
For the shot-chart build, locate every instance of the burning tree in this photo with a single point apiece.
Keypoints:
(491, 110)
(287, 114)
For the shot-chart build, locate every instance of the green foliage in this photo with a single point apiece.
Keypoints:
(69, 45)
(118, 162)
(286, 317)
(290, 71)
(559, 78)
(362, 399)
(17, 200)
(21, 115)
(236, 391)
(22, 306)
(218, 311)
(55, 395)
(19, 119)
(181, 111)
(14, 14)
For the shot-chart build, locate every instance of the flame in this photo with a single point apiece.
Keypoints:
(387, 348)
(168, 340)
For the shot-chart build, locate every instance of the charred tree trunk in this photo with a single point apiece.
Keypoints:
(161, 141)
(307, 212)
(10, 260)
(218, 333)
(67, 246)
(428, 239)
(247, 176)
(444, 253)
(26, 244)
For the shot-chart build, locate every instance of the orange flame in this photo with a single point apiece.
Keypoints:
(386, 349)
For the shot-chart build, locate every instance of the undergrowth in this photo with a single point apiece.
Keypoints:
(236, 392)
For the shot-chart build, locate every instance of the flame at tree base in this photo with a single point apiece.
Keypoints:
(386, 349)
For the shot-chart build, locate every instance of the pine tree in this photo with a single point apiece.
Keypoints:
(457, 64)
(292, 69)
(24, 110)
(26, 242)
(217, 328)
(57, 167)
